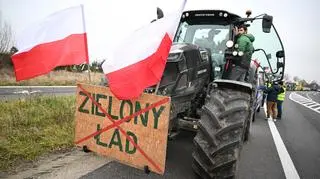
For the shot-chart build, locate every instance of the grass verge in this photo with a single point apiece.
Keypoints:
(33, 127)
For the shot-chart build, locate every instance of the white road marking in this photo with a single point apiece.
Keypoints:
(311, 104)
(309, 96)
(21, 92)
(27, 92)
(314, 105)
(286, 162)
(301, 100)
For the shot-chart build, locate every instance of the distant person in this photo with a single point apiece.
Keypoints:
(245, 50)
(280, 99)
(272, 95)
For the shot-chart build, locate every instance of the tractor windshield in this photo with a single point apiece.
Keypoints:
(211, 37)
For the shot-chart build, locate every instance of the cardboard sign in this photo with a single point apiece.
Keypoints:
(137, 141)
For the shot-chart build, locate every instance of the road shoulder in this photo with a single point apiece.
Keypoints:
(72, 164)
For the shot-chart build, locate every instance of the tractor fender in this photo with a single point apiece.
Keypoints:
(231, 84)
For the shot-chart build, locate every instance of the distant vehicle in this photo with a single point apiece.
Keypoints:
(299, 86)
(306, 89)
(290, 86)
(314, 86)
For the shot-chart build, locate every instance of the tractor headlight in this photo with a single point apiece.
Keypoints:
(234, 53)
(229, 43)
(240, 53)
(174, 56)
(204, 55)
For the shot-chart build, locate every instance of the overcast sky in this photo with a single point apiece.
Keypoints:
(110, 21)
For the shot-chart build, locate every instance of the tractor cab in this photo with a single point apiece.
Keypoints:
(213, 30)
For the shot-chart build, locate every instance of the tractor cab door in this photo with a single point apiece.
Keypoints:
(269, 51)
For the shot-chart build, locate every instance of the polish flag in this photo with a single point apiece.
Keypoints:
(140, 60)
(59, 39)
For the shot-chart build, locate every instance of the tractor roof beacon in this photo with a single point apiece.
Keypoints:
(219, 110)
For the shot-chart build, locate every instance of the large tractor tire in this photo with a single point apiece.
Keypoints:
(221, 133)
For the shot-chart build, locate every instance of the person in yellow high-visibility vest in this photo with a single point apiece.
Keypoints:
(280, 99)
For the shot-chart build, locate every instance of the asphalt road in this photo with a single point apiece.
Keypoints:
(16, 92)
(313, 95)
(300, 131)
(260, 158)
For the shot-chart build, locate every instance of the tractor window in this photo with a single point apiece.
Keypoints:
(213, 36)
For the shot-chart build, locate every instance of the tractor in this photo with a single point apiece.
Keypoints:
(203, 99)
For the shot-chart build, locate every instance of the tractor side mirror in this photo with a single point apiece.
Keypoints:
(280, 54)
(280, 64)
(266, 23)
(159, 13)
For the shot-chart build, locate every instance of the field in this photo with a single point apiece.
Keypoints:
(7, 78)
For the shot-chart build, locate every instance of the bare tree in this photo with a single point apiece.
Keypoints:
(6, 38)
(296, 79)
(313, 82)
(286, 77)
(6, 45)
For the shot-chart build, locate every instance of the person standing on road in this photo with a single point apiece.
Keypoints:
(264, 87)
(245, 50)
(272, 95)
(280, 99)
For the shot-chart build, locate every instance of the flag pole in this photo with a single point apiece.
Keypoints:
(86, 41)
(157, 88)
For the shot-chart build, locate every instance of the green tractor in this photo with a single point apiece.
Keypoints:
(203, 99)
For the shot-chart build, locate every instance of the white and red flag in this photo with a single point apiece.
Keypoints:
(140, 60)
(59, 39)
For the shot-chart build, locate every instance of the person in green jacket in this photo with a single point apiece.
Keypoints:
(244, 48)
